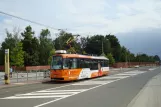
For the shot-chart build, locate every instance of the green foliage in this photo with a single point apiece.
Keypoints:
(123, 57)
(97, 44)
(60, 42)
(52, 52)
(10, 43)
(156, 57)
(115, 47)
(46, 47)
(111, 59)
(17, 55)
(31, 47)
(30, 50)
(144, 58)
(1, 57)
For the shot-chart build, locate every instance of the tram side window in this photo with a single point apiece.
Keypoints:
(70, 63)
(106, 63)
(83, 63)
(74, 63)
(94, 65)
(86, 61)
(102, 63)
(80, 63)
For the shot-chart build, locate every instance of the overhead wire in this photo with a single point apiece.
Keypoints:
(44, 25)
(27, 20)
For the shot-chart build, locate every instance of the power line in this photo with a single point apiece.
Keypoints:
(27, 20)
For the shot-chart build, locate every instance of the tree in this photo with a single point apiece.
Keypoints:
(98, 45)
(17, 55)
(52, 52)
(60, 42)
(31, 47)
(145, 58)
(111, 59)
(123, 57)
(82, 42)
(157, 58)
(131, 57)
(115, 47)
(46, 47)
(1, 57)
(10, 43)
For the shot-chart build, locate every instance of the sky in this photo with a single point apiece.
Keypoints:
(136, 23)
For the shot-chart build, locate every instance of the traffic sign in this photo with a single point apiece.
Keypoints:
(6, 51)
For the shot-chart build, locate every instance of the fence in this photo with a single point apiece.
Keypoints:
(132, 64)
(25, 76)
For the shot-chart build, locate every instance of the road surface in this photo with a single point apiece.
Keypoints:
(23, 76)
(116, 90)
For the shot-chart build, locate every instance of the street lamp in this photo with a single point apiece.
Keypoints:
(103, 47)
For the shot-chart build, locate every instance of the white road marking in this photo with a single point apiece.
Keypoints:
(62, 90)
(151, 69)
(46, 93)
(113, 76)
(120, 76)
(126, 74)
(26, 97)
(137, 72)
(110, 77)
(93, 82)
(66, 97)
(61, 94)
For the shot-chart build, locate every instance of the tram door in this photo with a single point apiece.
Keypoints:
(99, 69)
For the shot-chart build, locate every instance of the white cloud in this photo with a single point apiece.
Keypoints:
(84, 16)
(7, 21)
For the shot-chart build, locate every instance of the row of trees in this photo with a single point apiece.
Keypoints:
(26, 49)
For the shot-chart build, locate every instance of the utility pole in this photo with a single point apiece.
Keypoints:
(102, 48)
(126, 60)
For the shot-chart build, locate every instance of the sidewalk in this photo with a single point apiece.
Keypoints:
(22, 83)
(150, 95)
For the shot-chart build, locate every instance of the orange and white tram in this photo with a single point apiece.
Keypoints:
(69, 67)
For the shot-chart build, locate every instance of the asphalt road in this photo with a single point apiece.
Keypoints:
(116, 90)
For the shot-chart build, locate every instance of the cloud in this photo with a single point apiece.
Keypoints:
(124, 18)
(7, 21)
(147, 41)
(82, 16)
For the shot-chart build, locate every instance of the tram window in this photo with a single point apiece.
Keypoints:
(106, 63)
(70, 63)
(102, 63)
(74, 63)
(90, 64)
(86, 61)
(78, 63)
(81, 63)
(94, 64)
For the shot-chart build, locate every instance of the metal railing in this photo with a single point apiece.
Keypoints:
(25, 76)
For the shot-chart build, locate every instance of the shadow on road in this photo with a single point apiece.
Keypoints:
(67, 82)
